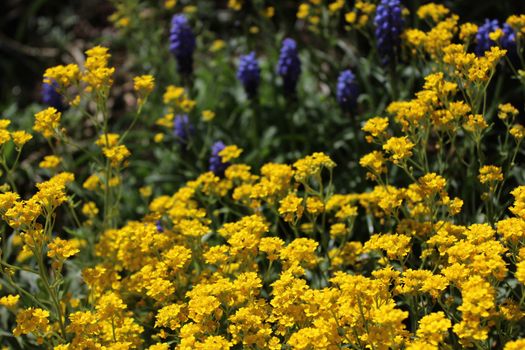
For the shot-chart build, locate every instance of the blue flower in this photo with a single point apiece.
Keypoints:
(51, 97)
(289, 66)
(347, 91)
(182, 128)
(249, 73)
(484, 43)
(389, 26)
(216, 164)
(182, 43)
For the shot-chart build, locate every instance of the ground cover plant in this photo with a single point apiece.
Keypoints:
(268, 175)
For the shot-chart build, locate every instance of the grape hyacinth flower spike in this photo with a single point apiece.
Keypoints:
(249, 73)
(388, 23)
(51, 97)
(217, 166)
(289, 66)
(182, 128)
(182, 43)
(347, 91)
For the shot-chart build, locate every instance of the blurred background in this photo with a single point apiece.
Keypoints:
(36, 34)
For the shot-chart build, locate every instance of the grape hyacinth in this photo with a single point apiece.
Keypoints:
(389, 26)
(347, 91)
(289, 66)
(182, 128)
(158, 224)
(51, 97)
(484, 43)
(182, 44)
(217, 166)
(249, 73)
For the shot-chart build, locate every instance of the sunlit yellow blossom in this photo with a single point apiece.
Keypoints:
(32, 320)
(143, 85)
(400, 148)
(90, 209)
(62, 75)
(467, 31)
(291, 207)
(47, 121)
(20, 138)
(61, 249)
(92, 182)
(490, 174)
(97, 74)
(433, 11)
(515, 345)
(433, 327)
(9, 301)
(376, 127)
(229, 153)
(50, 162)
(312, 165)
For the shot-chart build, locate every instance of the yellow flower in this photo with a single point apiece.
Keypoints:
(269, 12)
(496, 35)
(32, 320)
(50, 162)
(375, 162)
(20, 138)
(97, 74)
(291, 208)
(312, 165)
(143, 85)
(434, 11)
(400, 148)
(47, 121)
(169, 4)
(467, 31)
(63, 75)
(376, 127)
(208, 115)
(338, 229)
(506, 110)
(515, 345)
(517, 131)
(116, 154)
(90, 209)
(490, 174)
(62, 249)
(520, 272)
(433, 327)
(217, 45)
(303, 11)
(9, 301)
(336, 6)
(350, 17)
(314, 205)
(396, 246)
(271, 246)
(92, 182)
(229, 153)
(235, 4)
(475, 123)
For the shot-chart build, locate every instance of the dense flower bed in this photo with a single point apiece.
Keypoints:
(415, 240)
